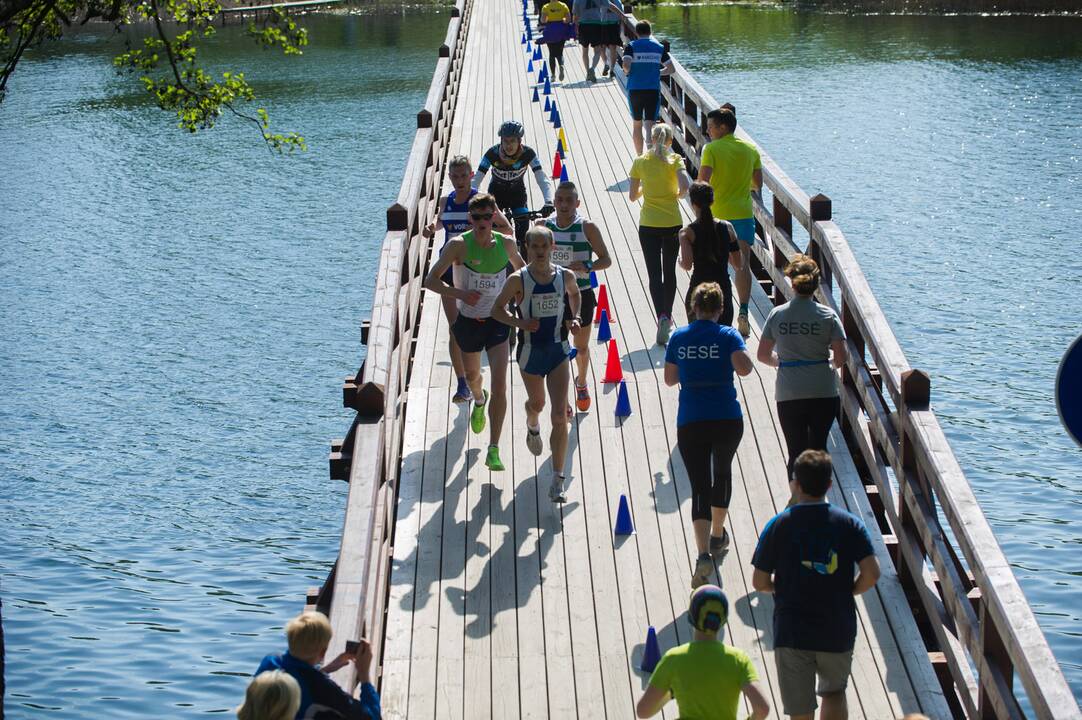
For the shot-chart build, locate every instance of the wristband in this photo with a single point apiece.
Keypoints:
(589, 265)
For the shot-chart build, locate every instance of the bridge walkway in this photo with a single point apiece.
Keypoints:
(503, 605)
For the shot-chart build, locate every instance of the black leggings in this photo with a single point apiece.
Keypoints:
(726, 289)
(700, 443)
(806, 425)
(659, 249)
(556, 54)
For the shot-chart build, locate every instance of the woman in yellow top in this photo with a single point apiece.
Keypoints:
(556, 29)
(658, 176)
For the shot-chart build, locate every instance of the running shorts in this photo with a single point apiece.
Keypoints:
(610, 34)
(797, 671)
(476, 335)
(541, 359)
(645, 104)
(586, 309)
(745, 230)
(592, 34)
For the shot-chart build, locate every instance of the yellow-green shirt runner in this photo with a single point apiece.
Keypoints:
(705, 678)
(733, 162)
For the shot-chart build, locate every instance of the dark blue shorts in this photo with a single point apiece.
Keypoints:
(541, 359)
(645, 104)
(474, 336)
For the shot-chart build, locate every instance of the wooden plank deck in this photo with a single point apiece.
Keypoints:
(503, 605)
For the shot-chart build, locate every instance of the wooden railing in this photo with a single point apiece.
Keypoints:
(980, 631)
(369, 458)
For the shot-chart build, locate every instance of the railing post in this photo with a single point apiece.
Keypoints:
(820, 209)
(397, 217)
(854, 335)
(995, 654)
(783, 220)
(915, 395)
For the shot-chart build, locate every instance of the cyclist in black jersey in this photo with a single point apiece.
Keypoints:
(509, 162)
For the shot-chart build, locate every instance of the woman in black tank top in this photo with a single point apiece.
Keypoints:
(706, 247)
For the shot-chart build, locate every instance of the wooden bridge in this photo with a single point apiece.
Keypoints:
(484, 600)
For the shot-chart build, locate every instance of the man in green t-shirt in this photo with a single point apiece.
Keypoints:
(734, 170)
(705, 676)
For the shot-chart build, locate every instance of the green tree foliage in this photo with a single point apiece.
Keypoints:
(167, 63)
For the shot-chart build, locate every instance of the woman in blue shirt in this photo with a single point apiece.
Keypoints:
(702, 357)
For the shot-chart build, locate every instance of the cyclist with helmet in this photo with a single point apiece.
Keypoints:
(509, 161)
(706, 676)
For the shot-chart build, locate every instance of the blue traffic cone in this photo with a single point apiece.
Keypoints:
(529, 66)
(548, 88)
(556, 121)
(537, 55)
(563, 170)
(529, 48)
(560, 147)
(593, 286)
(523, 39)
(623, 518)
(604, 332)
(552, 112)
(548, 105)
(651, 654)
(623, 402)
(544, 72)
(535, 98)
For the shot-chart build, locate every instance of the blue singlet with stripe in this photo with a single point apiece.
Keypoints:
(455, 217)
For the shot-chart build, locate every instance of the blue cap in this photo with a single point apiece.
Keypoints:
(708, 609)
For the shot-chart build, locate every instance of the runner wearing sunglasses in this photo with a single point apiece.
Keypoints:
(479, 259)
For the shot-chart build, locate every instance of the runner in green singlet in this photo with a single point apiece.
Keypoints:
(579, 247)
(479, 258)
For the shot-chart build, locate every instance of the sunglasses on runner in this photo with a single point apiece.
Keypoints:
(481, 216)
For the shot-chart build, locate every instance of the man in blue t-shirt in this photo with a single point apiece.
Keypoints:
(645, 61)
(806, 557)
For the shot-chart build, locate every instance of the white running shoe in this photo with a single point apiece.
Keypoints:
(664, 330)
(743, 326)
(556, 490)
(704, 568)
(533, 440)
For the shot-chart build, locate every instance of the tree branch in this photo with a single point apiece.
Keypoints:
(24, 41)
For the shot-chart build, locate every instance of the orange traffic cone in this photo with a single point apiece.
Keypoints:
(613, 372)
(603, 304)
(557, 167)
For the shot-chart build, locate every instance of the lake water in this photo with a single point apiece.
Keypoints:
(177, 312)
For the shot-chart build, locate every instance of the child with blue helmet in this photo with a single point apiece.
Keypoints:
(706, 676)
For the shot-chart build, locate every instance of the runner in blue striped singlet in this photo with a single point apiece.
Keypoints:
(541, 290)
(454, 218)
(578, 247)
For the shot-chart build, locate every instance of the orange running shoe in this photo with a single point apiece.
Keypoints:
(582, 398)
